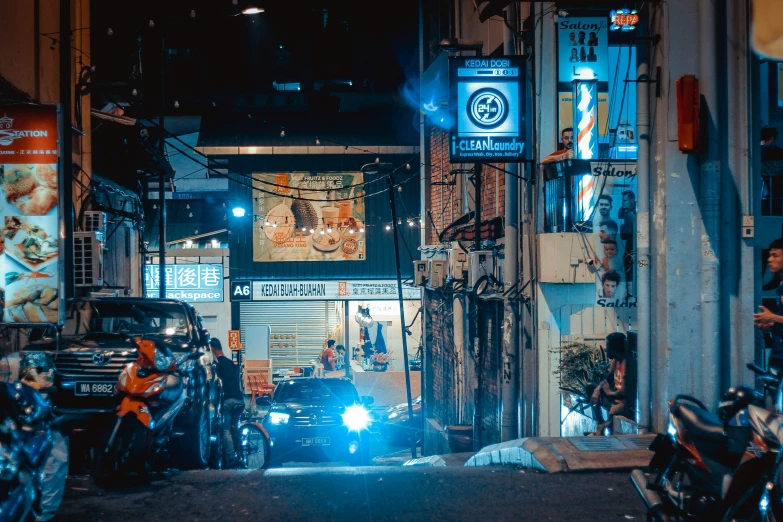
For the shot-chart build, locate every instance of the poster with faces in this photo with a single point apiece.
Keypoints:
(613, 202)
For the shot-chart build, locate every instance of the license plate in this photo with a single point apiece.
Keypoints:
(315, 441)
(93, 388)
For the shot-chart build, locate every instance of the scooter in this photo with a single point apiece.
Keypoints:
(25, 443)
(713, 467)
(151, 394)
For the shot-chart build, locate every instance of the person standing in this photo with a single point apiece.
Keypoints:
(565, 149)
(328, 356)
(773, 321)
(233, 404)
(340, 362)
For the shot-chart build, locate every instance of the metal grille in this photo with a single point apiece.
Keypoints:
(597, 444)
(637, 441)
(310, 321)
(317, 420)
(80, 365)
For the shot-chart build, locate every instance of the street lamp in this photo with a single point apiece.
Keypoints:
(252, 10)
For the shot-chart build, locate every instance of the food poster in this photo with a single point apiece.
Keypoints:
(306, 216)
(30, 246)
(607, 196)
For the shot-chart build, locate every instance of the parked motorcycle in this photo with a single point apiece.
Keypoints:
(151, 394)
(714, 467)
(25, 444)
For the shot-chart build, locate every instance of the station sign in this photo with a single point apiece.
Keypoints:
(487, 109)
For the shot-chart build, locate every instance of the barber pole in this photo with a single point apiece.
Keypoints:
(586, 118)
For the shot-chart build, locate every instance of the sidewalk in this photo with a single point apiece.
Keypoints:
(555, 454)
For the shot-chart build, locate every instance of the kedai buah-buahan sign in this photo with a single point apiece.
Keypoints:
(487, 109)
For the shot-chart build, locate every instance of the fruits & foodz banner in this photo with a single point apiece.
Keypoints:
(30, 246)
(607, 197)
(307, 216)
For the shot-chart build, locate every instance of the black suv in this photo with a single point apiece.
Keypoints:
(97, 342)
(318, 419)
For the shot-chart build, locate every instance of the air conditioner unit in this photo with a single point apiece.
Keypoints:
(87, 259)
(482, 263)
(458, 264)
(420, 273)
(437, 273)
(106, 293)
(95, 221)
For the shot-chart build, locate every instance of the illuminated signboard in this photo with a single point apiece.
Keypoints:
(586, 119)
(623, 20)
(487, 108)
(31, 267)
(583, 48)
(190, 283)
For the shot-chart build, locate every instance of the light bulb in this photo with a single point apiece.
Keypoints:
(361, 230)
(304, 229)
(152, 24)
(134, 92)
(408, 166)
(421, 222)
(190, 214)
(410, 223)
(266, 223)
(189, 243)
(110, 32)
(329, 230)
(274, 225)
(176, 104)
(377, 160)
(317, 141)
(312, 231)
(388, 227)
(282, 134)
(350, 231)
(322, 232)
(193, 13)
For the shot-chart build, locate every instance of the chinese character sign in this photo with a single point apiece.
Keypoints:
(326, 224)
(190, 283)
(30, 248)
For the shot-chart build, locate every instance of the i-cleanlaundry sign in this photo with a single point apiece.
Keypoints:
(487, 109)
(378, 290)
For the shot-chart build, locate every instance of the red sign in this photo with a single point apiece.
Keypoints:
(234, 342)
(28, 134)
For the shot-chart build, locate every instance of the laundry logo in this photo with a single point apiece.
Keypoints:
(8, 134)
(487, 108)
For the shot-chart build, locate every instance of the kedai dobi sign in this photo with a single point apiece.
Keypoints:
(487, 108)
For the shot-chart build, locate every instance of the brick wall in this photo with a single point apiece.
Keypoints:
(442, 359)
(445, 200)
(489, 324)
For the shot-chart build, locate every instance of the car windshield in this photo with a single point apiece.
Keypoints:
(316, 391)
(110, 318)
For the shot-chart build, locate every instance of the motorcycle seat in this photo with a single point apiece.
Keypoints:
(699, 423)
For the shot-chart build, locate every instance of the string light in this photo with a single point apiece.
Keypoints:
(329, 230)
(176, 104)
(110, 32)
(274, 225)
(388, 227)
(322, 232)
(350, 231)
(361, 230)
(266, 223)
(304, 229)
(193, 13)
(410, 223)
(312, 231)
(152, 24)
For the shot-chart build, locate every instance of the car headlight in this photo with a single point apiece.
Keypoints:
(275, 417)
(356, 418)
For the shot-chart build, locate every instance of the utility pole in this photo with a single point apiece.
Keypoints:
(411, 426)
(66, 142)
(510, 370)
(162, 176)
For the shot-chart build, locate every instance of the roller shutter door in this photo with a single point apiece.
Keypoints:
(310, 321)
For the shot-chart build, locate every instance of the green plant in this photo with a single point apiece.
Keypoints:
(580, 365)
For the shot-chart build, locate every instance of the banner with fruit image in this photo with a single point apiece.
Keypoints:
(324, 221)
(30, 245)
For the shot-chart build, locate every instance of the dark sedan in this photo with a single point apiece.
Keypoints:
(315, 419)
(394, 424)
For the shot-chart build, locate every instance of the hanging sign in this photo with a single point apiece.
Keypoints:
(202, 283)
(30, 218)
(487, 108)
(583, 49)
(623, 20)
(324, 221)
(234, 342)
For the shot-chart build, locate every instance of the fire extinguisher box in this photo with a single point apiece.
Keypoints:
(688, 113)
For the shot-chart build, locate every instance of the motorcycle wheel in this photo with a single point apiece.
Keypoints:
(111, 465)
(746, 509)
(254, 448)
(193, 450)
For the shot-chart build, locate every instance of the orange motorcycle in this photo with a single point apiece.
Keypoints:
(152, 393)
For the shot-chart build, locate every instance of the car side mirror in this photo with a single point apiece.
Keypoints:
(367, 400)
